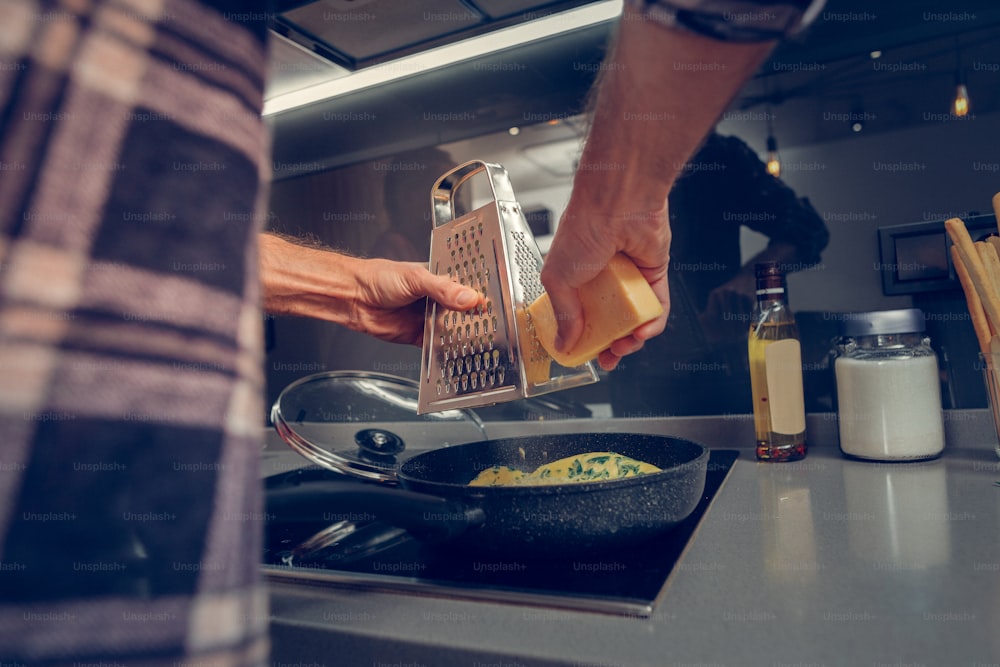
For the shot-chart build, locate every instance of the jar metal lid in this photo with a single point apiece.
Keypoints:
(882, 322)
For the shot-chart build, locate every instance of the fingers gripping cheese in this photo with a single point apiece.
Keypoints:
(615, 302)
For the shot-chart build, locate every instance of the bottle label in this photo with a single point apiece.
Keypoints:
(786, 400)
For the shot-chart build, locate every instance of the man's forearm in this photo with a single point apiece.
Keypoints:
(306, 282)
(661, 92)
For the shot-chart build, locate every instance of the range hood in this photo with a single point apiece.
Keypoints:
(356, 80)
(534, 62)
(333, 47)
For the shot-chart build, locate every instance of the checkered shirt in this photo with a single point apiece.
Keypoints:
(132, 164)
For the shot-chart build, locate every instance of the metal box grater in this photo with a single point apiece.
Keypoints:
(491, 354)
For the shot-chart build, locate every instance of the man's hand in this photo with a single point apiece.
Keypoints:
(378, 297)
(582, 248)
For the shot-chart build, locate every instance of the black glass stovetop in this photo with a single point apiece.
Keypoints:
(359, 553)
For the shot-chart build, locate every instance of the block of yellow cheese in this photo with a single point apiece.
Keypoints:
(615, 302)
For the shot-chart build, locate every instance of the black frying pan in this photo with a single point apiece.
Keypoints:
(437, 503)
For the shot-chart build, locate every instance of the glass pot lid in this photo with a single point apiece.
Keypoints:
(359, 423)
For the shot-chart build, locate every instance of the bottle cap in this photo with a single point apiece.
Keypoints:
(770, 279)
(766, 269)
(881, 322)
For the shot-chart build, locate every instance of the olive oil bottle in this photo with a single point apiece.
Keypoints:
(776, 371)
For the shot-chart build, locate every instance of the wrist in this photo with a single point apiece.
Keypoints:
(618, 184)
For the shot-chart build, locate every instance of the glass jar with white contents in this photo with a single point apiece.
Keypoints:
(888, 387)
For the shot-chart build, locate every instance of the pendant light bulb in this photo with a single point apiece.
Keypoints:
(773, 161)
(960, 107)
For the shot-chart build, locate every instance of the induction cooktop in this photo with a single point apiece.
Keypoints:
(351, 550)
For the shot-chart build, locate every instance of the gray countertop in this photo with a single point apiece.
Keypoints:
(826, 561)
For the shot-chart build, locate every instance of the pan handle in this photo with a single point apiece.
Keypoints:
(443, 193)
(428, 517)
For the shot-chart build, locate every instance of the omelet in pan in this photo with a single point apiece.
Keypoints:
(590, 467)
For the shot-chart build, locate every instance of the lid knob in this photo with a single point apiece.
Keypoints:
(378, 442)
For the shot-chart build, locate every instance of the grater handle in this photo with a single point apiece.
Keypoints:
(446, 187)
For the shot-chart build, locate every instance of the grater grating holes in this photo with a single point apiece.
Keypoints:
(529, 278)
(467, 354)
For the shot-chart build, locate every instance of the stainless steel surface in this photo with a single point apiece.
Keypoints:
(488, 355)
(375, 583)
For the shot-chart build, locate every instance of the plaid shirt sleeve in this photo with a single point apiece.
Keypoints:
(732, 20)
(132, 154)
